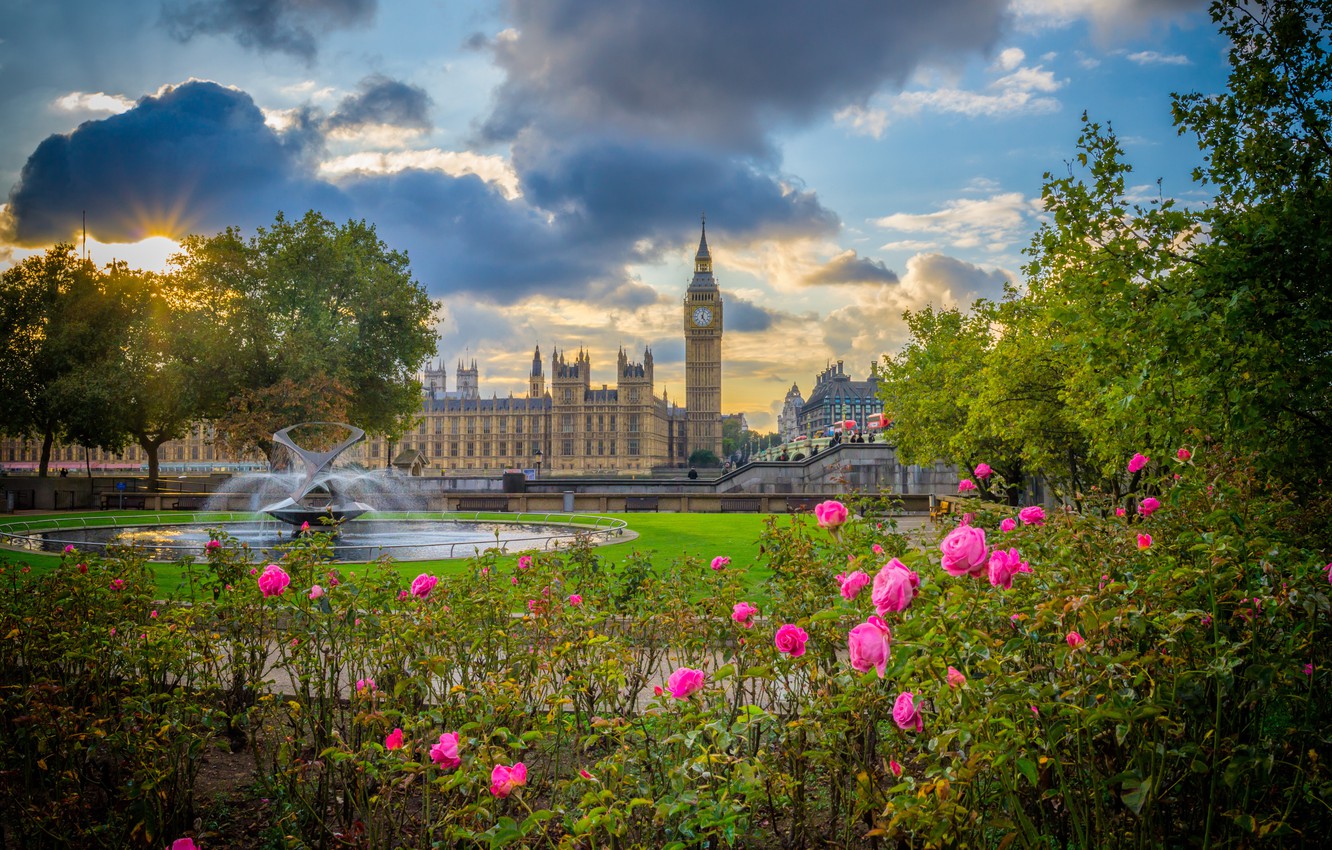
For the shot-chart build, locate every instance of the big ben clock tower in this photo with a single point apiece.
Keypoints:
(703, 336)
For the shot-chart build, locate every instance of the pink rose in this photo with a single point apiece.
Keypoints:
(1308, 669)
(720, 561)
(575, 600)
(117, 584)
(851, 585)
(1121, 512)
(1008, 524)
(870, 644)
(524, 562)
(1005, 565)
(894, 587)
(964, 551)
(684, 682)
(1032, 515)
(586, 775)
(830, 514)
(394, 740)
(876, 549)
(504, 780)
(906, 714)
(1183, 454)
(153, 614)
(183, 844)
(1137, 462)
(965, 485)
(1074, 640)
(955, 678)
(423, 584)
(316, 592)
(983, 471)
(365, 685)
(791, 639)
(305, 526)
(445, 753)
(895, 767)
(1148, 506)
(212, 545)
(274, 580)
(255, 570)
(741, 613)
(1144, 541)
(69, 549)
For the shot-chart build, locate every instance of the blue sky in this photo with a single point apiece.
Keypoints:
(545, 162)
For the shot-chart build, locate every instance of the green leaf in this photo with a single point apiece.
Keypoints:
(1028, 769)
(1134, 792)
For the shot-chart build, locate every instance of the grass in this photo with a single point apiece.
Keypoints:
(665, 538)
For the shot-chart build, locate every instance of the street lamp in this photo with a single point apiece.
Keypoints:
(538, 463)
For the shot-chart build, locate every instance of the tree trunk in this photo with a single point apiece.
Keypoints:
(150, 449)
(47, 439)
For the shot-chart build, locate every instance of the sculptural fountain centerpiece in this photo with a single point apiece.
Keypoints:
(316, 497)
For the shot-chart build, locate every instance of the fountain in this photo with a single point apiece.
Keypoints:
(298, 508)
(372, 514)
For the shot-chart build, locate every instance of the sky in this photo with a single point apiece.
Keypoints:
(545, 163)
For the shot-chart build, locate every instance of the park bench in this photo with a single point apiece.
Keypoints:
(801, 503)
(641, 503)
(129, 501)
(941, 508)
(483, 503)
(746, 505)
(189, 503)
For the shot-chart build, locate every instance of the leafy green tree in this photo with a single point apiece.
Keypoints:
(704, 458)
(60, 323)
(1268, 258)
(313, 303)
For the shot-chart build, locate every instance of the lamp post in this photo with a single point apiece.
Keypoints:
(538, 463)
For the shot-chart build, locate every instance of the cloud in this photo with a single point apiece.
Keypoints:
(78, 101)
(380, 101)
(720, 75)
(489, 167)
(1151, 57)
(872, 323)
(848, 267)
(743, 316)
(1017, 92)
(193, 158)
(994, 222)
(1109, 18)
(270, 26)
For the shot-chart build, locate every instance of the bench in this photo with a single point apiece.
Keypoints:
(801, 503)
(123, 500)
(483, 503)
(742, 506)
(942, 507)
(189, 503)
(640, 503)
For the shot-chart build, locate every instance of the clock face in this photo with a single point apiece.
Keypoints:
(702, 317)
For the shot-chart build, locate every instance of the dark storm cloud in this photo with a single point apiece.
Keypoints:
(645, 191)
(195, 158)
(280, 26)
(380, 100)
(851, 268)
(719, 73)
(745, 317)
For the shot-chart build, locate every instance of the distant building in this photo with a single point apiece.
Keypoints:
(837, 398)
(788, 421)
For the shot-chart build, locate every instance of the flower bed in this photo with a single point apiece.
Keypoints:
(1042, 681)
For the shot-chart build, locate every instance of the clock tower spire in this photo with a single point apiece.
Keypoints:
(703, 336)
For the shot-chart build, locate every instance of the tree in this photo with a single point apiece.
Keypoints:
(173, 350)
(1268, 140)
(310, 303)
(60, 320)
(704, 458)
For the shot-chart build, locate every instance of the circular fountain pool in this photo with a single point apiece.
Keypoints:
(403, 536)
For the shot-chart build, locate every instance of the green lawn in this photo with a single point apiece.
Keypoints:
(663, 537)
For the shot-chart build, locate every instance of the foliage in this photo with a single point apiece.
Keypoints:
(1184, 711)
(60, 321)
(313, 302)
(704, 458)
